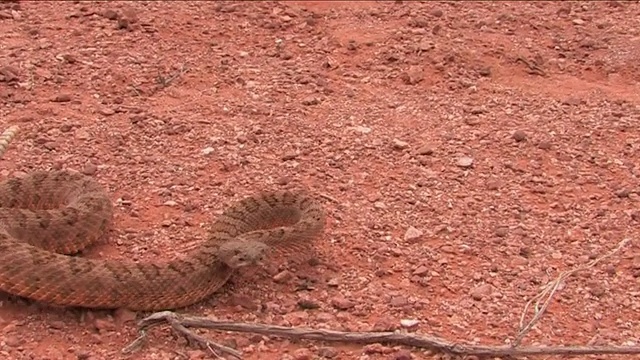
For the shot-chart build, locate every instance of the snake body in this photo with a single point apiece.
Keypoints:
(48, 215)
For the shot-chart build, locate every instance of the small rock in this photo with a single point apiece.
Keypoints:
(122, 316)
(107, 111)
(480, 292)
(89, 169)
(308, 304)
(544, 145)
(377, 348)
(283, 277)
(412, 235)
(110, 14)
(302, 354)
(402, 355)
(342, 303)
(398, 301)
(170, 203)
(62, 98)
(578, 21)
(289, 156)
(502, 231)
(519, 136)
(311, 100)
(103, 325)
(437, 13)
(623, 193)
(399, 144)
(166, 223)
(465, 162)
(409, 323)
(362, 129)
(421, 271)
(57, 324)
(328, 352)
(412, 76)
(208, 151)
(82, 134)
(385, 324)
(425, 150)
(379, 205)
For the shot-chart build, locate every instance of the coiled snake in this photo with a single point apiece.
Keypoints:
(48, 215)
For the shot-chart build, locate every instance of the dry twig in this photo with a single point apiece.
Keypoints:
(550, 289)
(182, 322)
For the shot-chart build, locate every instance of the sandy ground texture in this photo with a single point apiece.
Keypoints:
(467, 154)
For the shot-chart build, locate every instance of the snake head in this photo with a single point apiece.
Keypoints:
(239, 253)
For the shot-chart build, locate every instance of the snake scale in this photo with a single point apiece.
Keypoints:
(47, 216)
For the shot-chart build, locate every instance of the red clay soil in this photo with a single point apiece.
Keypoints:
(467, 154)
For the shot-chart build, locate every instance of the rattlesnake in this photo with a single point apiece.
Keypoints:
(48, 214)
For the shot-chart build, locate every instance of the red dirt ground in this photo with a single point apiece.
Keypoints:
(505, 133)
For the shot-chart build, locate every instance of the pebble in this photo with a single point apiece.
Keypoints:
(399, 144)
(412, 234)
(502, 231)
(481, 292)
(425, 150)
(328, 352)
(89, 169)
(283, 276)
(402, 355)
(208, 151)
(519, 136)
(465, 162)
(409, 323)
(302, 354)
(399, 301)
(421, 271)
(62, 98)
(342, 303)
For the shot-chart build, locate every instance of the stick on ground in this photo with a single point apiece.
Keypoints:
(181, 322)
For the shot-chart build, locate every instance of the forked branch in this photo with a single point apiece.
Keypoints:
(180, 323)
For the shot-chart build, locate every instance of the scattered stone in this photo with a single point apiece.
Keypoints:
(308, 304)
(481, 292)
(62, 98)
(311, 100)
(425, 150)
(412, 76)
(402, 355)
(106, 111)
(379, 205)
(421, 271)
(170, 203)
(412, 235)
(409, 323)
(289, 156)
(328, 352)
(208, 151)
(399, 144)
(302, 354)
(502, 231)
(465, 162)
(282, 277)
(385, 324)
(519, 136)
(342, 303)
(623, 193)
(82, 134)
(122, 316)
(399, 301)
(377, 348)
(544, 145)
(362, 129)
(89, 169)
(110, 14)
